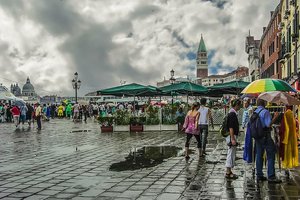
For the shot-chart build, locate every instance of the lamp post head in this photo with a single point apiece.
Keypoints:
(76, 75)
(78, 84)
(172, 73)
(73, 83)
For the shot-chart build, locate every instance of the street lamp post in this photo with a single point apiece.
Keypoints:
(76, 85)
(172, 81)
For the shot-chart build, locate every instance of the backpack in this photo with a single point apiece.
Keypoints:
(224, 130)
(256, 127)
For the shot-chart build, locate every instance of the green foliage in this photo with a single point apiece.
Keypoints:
(152, 115)
(137, 120)
(169, 114)
(122, 117)
(106, 121)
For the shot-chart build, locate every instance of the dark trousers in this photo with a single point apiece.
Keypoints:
(188, 138)
(203, 136)
(38, 121)
(262, 145)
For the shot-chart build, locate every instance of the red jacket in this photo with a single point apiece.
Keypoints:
(15, 111)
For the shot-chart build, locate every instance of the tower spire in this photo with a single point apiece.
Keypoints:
(202, 47)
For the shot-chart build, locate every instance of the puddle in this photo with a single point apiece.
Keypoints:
(145, 157)
(80, 131)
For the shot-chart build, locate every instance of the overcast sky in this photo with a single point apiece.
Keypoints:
(107, 41)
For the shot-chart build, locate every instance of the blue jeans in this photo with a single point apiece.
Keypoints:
(22, 118)
(203, 136)
(262, 145)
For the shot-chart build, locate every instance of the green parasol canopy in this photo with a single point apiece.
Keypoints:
(233, 87)
(132, 89)
(185, 88)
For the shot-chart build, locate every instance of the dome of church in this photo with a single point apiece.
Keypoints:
(28, 86)
(28, 89)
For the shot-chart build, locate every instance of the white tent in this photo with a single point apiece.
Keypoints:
(5, 94)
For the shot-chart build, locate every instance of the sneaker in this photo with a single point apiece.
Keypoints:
(261, 178)
(274, 180)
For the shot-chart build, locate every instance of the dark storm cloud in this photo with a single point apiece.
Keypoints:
(218, 3)
(180, 39)
(13, 7)
(57, 16)
(143, 11)
(89, 52)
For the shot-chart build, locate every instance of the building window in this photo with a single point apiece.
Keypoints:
(289, 69)
(203, 62)
(268, 72)
(271, 49)
(263, 59)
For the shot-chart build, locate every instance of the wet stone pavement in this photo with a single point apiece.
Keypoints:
(75, 161)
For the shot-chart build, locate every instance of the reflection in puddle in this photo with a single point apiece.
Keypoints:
(145, 157)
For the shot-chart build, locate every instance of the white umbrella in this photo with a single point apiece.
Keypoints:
(5, 95)
(279, 97)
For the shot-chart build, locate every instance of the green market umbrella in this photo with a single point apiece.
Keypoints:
(132, 89)
(185, 88)
(233, 87)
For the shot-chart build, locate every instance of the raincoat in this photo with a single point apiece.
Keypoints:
(60, 111)
(248, 150)
(289, 141)
(69, 110)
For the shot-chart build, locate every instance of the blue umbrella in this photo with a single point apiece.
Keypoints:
(19, 103)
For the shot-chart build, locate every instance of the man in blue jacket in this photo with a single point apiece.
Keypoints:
(265, 144)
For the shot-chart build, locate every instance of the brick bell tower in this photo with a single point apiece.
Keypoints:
(202, 60)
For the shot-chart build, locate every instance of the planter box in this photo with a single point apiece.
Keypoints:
(136, 128)
(107, 129)
(121, 128)
(172, 127)
(152, 127)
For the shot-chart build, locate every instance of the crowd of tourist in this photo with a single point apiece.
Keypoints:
(19, 114)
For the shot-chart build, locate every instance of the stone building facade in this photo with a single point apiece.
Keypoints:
(252, 49)
(270, 47)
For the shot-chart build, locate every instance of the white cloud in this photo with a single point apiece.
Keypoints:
(112, 40)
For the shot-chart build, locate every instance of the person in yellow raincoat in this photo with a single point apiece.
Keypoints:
(289, 140)
(60, 111)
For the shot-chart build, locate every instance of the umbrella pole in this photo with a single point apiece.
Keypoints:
(134, 105)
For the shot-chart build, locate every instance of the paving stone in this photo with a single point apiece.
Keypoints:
(64, 196)
(168, 196)
(49, 192)
(4, 194)
(20, 194)
(91, 192)
(32, 190)
(147, 197)
(130, 194)
(36, 197)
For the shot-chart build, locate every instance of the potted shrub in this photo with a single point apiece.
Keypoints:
(169, 122)
(152, 119)
(137, 124)
(122, 119)
(106, 124)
